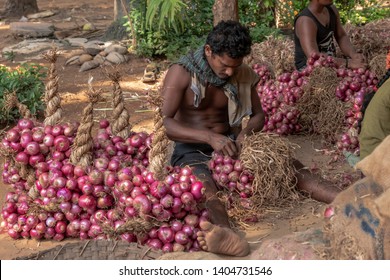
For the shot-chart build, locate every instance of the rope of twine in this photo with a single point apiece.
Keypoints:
(158, 154)
(121, 119)
(82, 148)
(53, 113)
(11, 101)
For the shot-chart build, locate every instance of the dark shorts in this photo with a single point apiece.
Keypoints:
(196, 156)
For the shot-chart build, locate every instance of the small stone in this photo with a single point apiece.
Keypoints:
(89, 65)
(85, 57)
(115, 58)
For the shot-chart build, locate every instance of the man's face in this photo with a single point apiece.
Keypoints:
(223, 65)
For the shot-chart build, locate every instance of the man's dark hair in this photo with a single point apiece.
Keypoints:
(231, 38)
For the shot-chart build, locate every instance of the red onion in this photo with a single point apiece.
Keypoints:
(87, 202)
(142, 204)
(166, 234)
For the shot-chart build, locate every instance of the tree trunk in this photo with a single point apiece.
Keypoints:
(119, 10)
(225, 10)
(17, 8)
(117, 30)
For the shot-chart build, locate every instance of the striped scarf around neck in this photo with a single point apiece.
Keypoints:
(202, 74)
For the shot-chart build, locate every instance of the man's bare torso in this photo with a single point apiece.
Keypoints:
(211, 112)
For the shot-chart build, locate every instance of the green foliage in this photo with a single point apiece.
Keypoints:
(27, 81)
(167, 13)
(362, 12)
(168, 40)
(259, 16)
(354, 12)
(260, 33)
(288, 10)
(170, 28)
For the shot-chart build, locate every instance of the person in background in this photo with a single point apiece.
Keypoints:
(207, 93)
(376, 116)
(315, 29)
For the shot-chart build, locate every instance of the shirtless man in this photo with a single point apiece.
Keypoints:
(206, 95)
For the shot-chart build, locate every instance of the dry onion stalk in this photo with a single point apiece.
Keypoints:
(276, 52)
(370, 39)
(321, 112)
(269, 158)
(378, 65)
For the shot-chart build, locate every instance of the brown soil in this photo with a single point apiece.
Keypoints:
(73, 84)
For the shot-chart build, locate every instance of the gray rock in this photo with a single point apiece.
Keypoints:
(116, 48)
(100, 59)
(89, 65)
(32, 29)
(73, 60)
(77, 42)
(115, 58)
(32, 46)
(43, 14)
(93, 48)
(85, 57)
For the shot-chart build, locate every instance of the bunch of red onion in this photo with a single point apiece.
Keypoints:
(19, 223)
(173, 201)
(355, 84)
(278, 98)
(230, 174)
(82, 202)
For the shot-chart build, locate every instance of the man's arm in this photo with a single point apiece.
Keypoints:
(306, 31)
(356, 60)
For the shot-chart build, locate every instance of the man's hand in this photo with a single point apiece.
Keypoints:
(357, 61)
(223, 144)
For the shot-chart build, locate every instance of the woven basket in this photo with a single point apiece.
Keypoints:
(96, 250)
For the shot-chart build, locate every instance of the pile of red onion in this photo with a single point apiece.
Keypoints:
(77, 202)
(279, 96)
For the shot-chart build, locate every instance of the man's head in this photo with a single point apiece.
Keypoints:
(231, 38)
(226, 46)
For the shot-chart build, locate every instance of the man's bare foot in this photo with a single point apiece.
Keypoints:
(221, 240)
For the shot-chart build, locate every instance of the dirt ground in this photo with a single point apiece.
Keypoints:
(72, 85)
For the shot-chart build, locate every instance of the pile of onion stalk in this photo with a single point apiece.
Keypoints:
(78, 202)
(279, 97)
